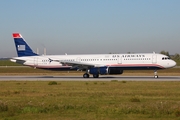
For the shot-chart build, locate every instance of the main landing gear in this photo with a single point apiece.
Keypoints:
(95, 75)
(155, 74)
(86, 75)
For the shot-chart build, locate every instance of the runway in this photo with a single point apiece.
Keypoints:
(79, 78)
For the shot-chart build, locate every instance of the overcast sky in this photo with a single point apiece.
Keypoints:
(91, 26)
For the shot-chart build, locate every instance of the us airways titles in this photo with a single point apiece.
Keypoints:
(138, 55)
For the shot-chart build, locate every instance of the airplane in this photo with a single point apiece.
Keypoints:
(95, 64)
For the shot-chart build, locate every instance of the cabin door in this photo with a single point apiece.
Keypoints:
(154, 58)
(119, 60)
(35, 61)
(78, 59)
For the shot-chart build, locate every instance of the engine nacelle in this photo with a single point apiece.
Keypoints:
(100, 70)
(105, 70)
(114, 70)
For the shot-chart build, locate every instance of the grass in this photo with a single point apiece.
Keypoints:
(8, 63)
(89, 100)
(52, 83)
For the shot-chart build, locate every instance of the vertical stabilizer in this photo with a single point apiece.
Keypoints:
(22, 47)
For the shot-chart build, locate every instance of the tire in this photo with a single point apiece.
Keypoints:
(95, 75)
(156, 76)
(86, 75)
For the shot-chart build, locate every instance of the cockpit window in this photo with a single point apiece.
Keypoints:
(165, 58)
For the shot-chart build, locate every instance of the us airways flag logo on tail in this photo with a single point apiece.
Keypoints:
(22, 47)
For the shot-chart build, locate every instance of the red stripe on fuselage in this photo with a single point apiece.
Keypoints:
(136, 65)
(114, 65)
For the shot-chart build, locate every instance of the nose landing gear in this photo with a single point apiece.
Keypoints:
(155, 74)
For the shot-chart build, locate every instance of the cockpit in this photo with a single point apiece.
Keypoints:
(166, 58)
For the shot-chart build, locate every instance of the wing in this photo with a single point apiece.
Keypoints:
(79, 65)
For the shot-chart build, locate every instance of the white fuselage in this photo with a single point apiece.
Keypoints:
(124, 61)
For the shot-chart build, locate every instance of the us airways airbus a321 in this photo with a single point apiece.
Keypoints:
(95, 64)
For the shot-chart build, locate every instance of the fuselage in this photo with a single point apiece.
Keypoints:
(123, 61)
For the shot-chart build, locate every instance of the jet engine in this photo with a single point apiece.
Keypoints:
(105, 70)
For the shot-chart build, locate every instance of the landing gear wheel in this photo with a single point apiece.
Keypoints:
(86, 75)
(156, 76)
(95, 75)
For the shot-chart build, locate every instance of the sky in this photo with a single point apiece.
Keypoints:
(91, 26)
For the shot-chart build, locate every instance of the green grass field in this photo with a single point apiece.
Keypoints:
(8, 63)
(99, 100)
(114, 100)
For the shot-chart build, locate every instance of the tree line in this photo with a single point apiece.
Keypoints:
(174, 57)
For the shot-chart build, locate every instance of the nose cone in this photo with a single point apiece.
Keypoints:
(170, 64)
(173, 63)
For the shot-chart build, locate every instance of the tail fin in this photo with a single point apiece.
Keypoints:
(22, 47)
